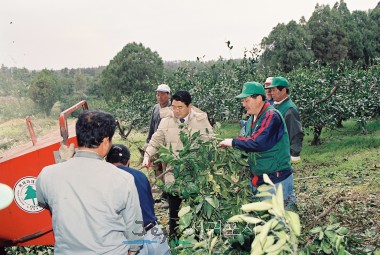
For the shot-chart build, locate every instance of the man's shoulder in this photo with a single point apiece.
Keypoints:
(272, 113)
(198, 113)
(166, 112)
(288, 103)
(292, 111)
(132, 171)
(53, 169)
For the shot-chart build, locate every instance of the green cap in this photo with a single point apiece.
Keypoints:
(251, 88)
(279, 81)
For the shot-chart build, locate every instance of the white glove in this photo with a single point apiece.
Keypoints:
(295, 160)
(146, 161)
(65, 152)
(226, 143)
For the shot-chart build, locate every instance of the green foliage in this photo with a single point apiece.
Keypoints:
(222, 83)
(354, 35)
(30, 250)
(287, 47)
(133, 69)
(367, 26)
(43, 90)
(330, 239)
(329, 36)
(15, 82)
(213, 183)
(275, 229)
(12, 107)
(327, 95)
(135, 110)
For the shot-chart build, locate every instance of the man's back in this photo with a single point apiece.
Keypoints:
(93, 205)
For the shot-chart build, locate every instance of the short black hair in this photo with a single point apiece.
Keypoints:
(182, 96)
(280, 88)
(93, 126)
(118, 154)
(256, 95)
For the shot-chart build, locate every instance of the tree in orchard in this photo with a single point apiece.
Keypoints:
(43, 90)
(134, 68)
(330, 42)
(287, 47)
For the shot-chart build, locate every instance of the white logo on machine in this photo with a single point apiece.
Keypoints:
(25, 195)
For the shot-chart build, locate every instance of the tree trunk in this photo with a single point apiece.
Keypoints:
(340, 124)
(317, 133)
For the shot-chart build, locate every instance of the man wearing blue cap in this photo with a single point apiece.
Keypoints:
(282, 102)
(266, 141)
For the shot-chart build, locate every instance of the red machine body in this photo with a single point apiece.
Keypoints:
(24, 223)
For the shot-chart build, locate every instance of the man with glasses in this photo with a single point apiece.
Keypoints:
(266, 141)
(181, 117)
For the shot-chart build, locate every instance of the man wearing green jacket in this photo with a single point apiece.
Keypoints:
(282, 102)
(266, 141)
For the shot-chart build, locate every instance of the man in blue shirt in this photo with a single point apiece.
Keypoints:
(155, 241)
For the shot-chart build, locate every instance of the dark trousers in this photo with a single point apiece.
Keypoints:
(174, 204)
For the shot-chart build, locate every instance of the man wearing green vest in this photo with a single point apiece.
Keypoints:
(266, 141)
(282, 102)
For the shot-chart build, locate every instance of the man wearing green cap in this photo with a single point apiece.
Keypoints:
(282, 102)
(266, 141)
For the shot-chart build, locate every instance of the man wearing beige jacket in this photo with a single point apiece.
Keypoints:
(173, 121)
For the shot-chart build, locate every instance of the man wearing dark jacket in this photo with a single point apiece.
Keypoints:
(282, 102)
(162, 96)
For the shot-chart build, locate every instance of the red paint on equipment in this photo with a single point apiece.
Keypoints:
(19, 225)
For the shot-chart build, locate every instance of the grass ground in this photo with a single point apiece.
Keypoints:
(340, 180)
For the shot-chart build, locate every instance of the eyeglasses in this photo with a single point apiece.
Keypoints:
(179, 108)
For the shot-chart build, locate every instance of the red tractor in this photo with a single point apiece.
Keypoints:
(23, 222)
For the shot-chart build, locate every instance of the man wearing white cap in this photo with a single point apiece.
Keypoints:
(163, 96)
(268, 94)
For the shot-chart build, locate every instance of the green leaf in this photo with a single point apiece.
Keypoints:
(342, 231)
(199, 207)
(326, 247)
(267, 179)
(240, 238)
(213, 201)
(208, 209)
(264, 187)
(185, 221)
(183, 211)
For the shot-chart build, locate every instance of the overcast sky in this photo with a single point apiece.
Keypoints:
(55, 34)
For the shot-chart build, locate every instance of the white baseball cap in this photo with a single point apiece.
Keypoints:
(163, 88)
(268, 81)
